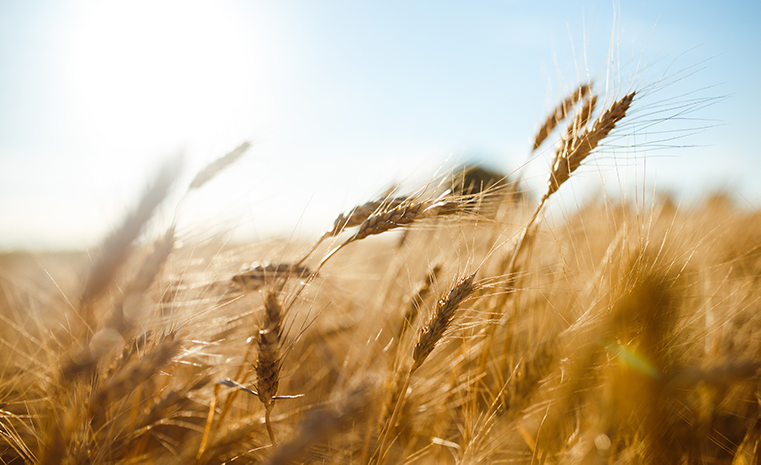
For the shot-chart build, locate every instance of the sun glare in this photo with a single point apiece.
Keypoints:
(164, 73)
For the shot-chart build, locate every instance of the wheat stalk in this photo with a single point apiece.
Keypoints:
(150, 268)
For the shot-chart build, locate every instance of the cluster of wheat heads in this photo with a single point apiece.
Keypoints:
(483, 336)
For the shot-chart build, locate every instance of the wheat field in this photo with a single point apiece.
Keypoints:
(451, 324)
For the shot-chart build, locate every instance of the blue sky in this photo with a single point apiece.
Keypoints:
(342, 98)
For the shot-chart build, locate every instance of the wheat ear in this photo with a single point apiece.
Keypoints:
(404, 214)
(577, 126)
(267, 369)
(268, 361)
(437, 324)
(355, 217)
(559, 114)
(359, 214)
(116, 246)
(567, 162)
(408, 212)
(213, 168)
(430, 334)
(573, 154)
(259, 275)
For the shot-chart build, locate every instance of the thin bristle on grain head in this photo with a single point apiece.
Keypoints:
(268, 361)
(473, 179)
(213, 168)
(568, 162)
(559, 114)
(432, 332)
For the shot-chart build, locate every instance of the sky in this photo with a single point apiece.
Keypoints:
(343, 99)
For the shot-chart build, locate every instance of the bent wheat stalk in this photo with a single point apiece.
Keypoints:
(574, 153)
(567, 160)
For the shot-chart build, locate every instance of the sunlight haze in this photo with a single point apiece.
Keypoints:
(343, 99)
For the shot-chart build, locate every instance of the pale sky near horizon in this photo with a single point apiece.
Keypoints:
(341, 99)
